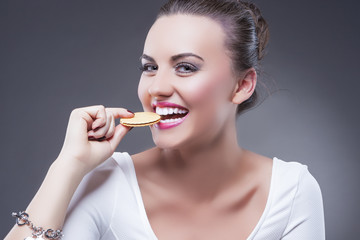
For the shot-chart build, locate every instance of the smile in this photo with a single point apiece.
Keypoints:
(171, 114)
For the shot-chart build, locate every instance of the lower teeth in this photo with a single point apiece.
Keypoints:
(170, 120)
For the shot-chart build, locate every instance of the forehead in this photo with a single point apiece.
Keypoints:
(185, 33)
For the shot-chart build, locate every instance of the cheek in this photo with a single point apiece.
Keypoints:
(143, 91)
(207, 89)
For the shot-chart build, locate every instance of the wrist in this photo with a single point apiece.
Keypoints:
(50, 203)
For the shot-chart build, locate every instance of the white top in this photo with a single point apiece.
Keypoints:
(108, 205)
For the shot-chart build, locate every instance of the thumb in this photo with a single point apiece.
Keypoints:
(120, 132)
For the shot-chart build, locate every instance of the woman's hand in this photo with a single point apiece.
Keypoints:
(92, 136)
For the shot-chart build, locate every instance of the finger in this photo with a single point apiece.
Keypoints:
(111, 129)
(80, 121)
(97, 113)
(120, 112)
(93, 111)
(101, 131)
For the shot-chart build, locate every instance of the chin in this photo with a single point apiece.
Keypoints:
(166, 140)
(165, 143)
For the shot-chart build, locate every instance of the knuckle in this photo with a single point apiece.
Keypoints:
(75, 111)
(101, 107)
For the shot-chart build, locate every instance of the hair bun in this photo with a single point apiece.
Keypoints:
(262, 29)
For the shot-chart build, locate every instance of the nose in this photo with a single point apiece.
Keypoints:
(161, 86)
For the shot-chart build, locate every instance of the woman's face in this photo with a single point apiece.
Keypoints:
(187, 78)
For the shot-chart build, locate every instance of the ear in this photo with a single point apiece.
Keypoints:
(245, 86)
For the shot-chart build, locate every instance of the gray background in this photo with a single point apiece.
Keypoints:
(58, 55)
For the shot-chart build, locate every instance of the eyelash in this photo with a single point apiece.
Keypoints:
(145, 67)
(188, 68)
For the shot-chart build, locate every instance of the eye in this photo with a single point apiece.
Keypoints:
(184, 68)
(148, 67)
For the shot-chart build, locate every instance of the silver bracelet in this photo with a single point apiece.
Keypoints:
(22, 218)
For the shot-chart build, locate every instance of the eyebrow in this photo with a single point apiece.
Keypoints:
(146, 57)
(173, 58)
(183, 55)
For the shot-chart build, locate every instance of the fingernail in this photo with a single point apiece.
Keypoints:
(130, 111)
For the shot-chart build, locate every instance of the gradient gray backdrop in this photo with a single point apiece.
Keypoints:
(56, 55)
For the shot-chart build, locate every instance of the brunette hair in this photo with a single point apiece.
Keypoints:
(246, 30)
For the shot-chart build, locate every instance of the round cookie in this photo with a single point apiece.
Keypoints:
(141, 119)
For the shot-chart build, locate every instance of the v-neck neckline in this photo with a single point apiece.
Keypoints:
(145, 218)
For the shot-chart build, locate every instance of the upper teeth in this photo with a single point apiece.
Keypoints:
(169, 110)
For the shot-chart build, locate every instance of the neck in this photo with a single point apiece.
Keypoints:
(207, 168)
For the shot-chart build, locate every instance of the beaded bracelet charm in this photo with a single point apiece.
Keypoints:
(22, 218)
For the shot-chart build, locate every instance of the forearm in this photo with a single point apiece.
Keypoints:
(48, 207)
(91, 138)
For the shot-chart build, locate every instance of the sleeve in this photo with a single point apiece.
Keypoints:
(81, 225)
(89, 213)
(306, 220)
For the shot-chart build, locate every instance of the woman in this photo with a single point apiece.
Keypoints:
(199, 64)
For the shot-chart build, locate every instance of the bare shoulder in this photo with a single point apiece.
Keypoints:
(258, 162)
(260, 170)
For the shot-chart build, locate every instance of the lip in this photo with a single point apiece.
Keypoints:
(167, 125)
(167, 104)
